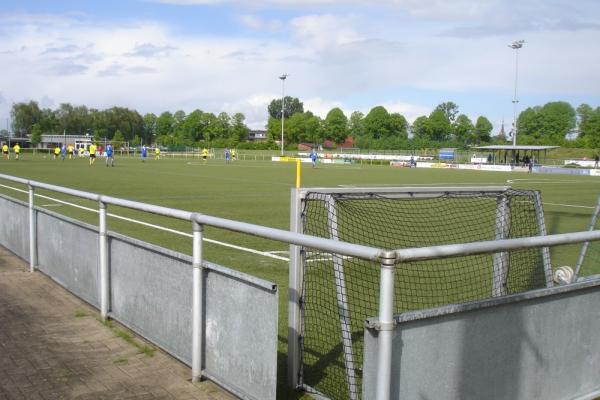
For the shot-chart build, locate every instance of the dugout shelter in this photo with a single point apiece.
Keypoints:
(509, 154)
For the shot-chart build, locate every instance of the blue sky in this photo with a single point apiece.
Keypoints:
(226, 55)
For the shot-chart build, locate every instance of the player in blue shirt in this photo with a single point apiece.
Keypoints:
(227, 155)
(144, 153)
(63, 152)
(313, 158)
(109, 155)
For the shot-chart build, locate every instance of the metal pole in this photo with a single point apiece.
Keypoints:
(386, 328)
(296, 275)
(32, 233)
(342, 301)
(282, 77)
(197, 304)
(103, 238)
(586, 244)
(516, 46)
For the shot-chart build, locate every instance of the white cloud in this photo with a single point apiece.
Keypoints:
(348, 60)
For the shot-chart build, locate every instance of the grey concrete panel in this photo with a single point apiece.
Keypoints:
(151, 293)
(241, 335)
(68, 253)
(542, 346)
(14, 226)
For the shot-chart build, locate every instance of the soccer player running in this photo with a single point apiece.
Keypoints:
(92, 149)
(157, 153)
(17, 150)
(5, 151)
(109, 155)
(70, 151)
(56, 152)
(204, 154)
(313, 158)
(227, 156)
(233, 154)
(144, 153)
(63, 152)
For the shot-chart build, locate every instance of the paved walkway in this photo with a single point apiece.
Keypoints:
(52, 346)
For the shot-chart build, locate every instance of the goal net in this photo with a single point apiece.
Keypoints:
(338, 293)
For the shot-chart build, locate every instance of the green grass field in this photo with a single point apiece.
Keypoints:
(259, 192)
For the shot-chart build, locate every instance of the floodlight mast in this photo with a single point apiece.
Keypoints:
(516, 45)
(282, 77)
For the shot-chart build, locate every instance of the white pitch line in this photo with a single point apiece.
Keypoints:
(568, 205)
(162, 228)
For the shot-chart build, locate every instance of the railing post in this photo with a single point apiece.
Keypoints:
(386, 328)
(32, 233)
(103, 249)
(197, 304)
(296, 275)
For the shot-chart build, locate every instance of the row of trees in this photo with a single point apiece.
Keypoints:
(379, 129)
(123, 124)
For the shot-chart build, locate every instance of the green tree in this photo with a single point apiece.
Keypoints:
(118, 138)
(149, 130)
(398, 126)
(164, 124)
(377, 123)
(336, 125)
(439, 125)
(36, 134)
(483, 130)
(239, 130)
(421, 128)
(356, 126)
(449, 109)
(292, 105)
(23, 116)
(463, 130)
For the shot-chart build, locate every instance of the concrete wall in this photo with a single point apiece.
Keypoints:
(537, 345)
(14, 226)
(151, 293)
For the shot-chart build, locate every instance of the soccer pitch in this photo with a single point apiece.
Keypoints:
(259, 192)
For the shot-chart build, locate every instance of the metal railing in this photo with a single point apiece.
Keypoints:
(387, 259)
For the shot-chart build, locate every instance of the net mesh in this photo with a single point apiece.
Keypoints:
(339, 292)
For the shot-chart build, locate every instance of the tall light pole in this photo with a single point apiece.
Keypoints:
(282, 77)
(516, 46)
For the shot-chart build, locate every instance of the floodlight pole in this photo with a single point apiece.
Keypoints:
(282, 77)
(516, 45)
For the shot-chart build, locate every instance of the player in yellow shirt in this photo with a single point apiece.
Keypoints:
(80, 151)
(5, 151)
(17, 150)
(204, 154)
(157, 153)
(56, 152)
(92, 149)
(70, 151)
(233, 154)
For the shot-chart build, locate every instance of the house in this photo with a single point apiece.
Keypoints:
(257, 135)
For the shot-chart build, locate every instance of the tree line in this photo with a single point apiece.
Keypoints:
(121, 124)
(445, 126)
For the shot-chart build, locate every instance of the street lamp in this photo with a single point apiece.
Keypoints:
(516, 46)
(282, 77)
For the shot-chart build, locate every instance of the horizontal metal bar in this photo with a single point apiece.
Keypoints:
(410, 189)
(490, 246)
(333, 246)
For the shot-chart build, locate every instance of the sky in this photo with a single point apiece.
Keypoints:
(228, 55)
